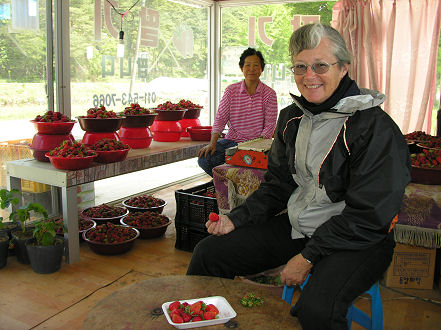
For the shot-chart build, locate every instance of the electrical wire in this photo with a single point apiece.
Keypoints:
(122, 14)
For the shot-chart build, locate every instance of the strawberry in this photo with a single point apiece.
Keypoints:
(213, 217)
(196, 307)
(186, 317)
(197, 318)
(174, 305)
(176, 318)
(209, 315)
(212, 308)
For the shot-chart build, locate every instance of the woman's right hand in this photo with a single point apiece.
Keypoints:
(220, 227)
(208, 149)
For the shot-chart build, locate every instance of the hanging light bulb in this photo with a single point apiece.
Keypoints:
(120, 48)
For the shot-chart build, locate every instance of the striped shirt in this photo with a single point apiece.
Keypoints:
(248, 116)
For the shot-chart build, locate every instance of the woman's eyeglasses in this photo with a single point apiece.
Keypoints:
(319, 67)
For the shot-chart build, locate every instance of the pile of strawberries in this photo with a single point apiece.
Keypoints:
(198, 311)
(182, 104)
(434, 142)
(146, 219)
(187, 104)
(83, 224)
(145, 201)
(429, 158)
(210, 194)
(135, 110)
(100, 112)
(418, 136)
(110, 233)
(104, 211)
(52, 116)
(108, 144)
(67, 149)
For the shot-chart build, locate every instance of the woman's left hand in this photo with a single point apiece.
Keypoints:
(295, 271)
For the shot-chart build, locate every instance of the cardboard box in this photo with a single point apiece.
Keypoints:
(412, 267)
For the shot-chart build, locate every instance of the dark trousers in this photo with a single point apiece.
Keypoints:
(336, 281)
(218, 158)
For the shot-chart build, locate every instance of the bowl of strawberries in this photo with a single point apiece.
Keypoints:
(193, 109)
(149, 224)
(104, 213)
(110, 150)
(426, 167)
(71, 156)
(52, 123)
(143, 203)
(137, 116)
(83, 225)
(109, 238)
(100, 120)
(169, 111)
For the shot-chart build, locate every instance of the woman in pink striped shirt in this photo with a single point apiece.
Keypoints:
(248, 107)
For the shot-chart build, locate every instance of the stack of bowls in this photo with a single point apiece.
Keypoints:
(49, 136)
(99, 128)
(135, 130)
(191, 119)
(166, 127)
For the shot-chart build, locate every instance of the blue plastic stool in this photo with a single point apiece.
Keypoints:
(374, 322)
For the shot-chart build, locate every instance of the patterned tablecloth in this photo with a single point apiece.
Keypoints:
(419, 220)
(233, 184)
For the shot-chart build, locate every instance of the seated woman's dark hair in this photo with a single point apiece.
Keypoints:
(250, 52)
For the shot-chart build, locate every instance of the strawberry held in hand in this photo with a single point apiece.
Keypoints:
(213, 217)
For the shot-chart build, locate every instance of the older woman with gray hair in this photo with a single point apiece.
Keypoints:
(339, 165)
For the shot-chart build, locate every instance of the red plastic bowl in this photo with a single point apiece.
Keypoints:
(200, 133)
(166, 131)
(135, 132)
(111, 156)
(40, 155)
(138, 120)
(100, 125)
(72, 164)
(192, 113)
(138, 143)
(48, 141)
(42, 143)
(170, 115)
(185, 123)
(91, 138)
(59, 127)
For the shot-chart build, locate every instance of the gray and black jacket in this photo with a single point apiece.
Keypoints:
(341, 174)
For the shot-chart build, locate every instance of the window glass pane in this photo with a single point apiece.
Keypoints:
(165, 55)
(22, 66)
(268, 29)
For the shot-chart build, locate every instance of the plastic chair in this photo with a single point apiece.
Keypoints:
(373, 322)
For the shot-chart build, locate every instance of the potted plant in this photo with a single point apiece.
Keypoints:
(45, 249)
(7, 198)
(20, 235)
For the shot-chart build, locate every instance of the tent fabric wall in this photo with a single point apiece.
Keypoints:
(394, 44)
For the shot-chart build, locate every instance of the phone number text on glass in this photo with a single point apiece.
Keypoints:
(124, 98)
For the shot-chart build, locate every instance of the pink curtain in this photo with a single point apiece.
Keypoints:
(394, 44)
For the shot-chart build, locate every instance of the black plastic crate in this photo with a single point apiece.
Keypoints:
(193, 208)
(187, 237)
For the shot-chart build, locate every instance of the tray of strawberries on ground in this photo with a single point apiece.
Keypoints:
(199, 312)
